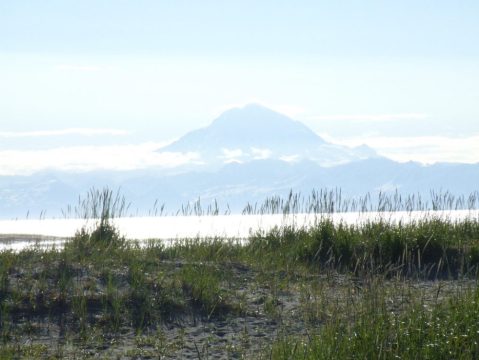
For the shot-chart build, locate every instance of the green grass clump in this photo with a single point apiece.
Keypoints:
(202, 285)
(100, 207)
(428, 249)
(103, 240)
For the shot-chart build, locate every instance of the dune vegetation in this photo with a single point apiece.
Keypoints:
(375, 290)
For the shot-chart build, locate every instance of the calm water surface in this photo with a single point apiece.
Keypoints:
(19, 234)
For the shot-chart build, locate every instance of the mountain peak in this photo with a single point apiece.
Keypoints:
(250, 126)
(255, 132)
(255, 115)
(253, 107)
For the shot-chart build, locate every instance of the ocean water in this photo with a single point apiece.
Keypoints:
(20, 234)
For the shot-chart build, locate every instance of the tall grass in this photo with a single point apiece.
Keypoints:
(329, 201)
(427, 248)
(100, 207)
(106, 203)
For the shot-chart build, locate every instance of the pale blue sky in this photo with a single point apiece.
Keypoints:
(270, 27)
(351, 70)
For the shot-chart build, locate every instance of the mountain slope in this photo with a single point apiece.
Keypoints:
(255, 132)
(251, 126)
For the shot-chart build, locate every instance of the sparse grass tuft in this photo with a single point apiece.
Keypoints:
(447, 331)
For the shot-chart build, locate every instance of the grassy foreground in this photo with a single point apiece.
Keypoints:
(334, 291)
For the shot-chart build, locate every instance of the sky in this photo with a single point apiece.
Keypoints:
(84, 81)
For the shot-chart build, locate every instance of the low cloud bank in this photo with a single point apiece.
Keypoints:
(423, 149)
(88, 158)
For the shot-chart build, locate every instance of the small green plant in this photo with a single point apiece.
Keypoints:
(140, 295)
(113, 302)
(100, 207)
(80, 311)
(202, 284)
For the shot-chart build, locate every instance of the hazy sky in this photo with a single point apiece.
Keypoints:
(400, 76)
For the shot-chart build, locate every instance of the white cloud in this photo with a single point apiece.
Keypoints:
(86, 158)
(290, 158)
(231, 154)
(424, 149)
(63, 132)
(233, 161)
(260, 154)
(371, 117)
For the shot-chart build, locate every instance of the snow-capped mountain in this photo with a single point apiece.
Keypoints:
(258, 133)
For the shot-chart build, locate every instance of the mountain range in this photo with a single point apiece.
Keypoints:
(244, 156)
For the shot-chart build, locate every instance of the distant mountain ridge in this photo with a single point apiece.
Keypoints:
(255, 132)
(234, 184)
(249, 154)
